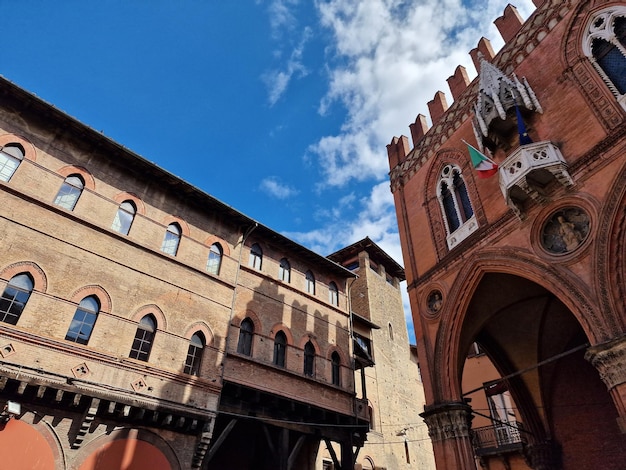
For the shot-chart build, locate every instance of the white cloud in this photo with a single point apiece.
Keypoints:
(281, 16)
(393, 55)
(388, 59)
(277, 80)
(276, 189)
(375, 219)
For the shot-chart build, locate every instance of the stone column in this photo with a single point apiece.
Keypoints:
(449, 429)
(610, 360)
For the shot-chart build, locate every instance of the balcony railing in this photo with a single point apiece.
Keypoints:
(527, 172)
(497, 438)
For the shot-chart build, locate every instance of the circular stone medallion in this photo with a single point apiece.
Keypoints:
(565, 230)
(434, 301)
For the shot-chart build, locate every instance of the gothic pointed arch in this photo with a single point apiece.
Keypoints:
(96, 291)
(592, 85)
(155, 311)
(88, 179)
(611, 254)
(453, 342)
(285, 329)
(33, 269)
(126, 196)
(202, 327)
(30, 152)
(435, 211)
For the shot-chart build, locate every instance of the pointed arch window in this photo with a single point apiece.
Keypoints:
(144, 338)
(455, 205)
(333, 294)
(70, 191)
(83, 321)
(246, 331)
(171, 240)
(14, 298)
(309, 359)
(280, 349)
(11, 155)
(335, 361)
(310, 283)
(194, 354)
(256, 257)
(605, 45)
(124, 217)
(214, 262)
(284, 270)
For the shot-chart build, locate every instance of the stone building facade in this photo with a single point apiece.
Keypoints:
(145, 324)
(387, 373)
(528, 263)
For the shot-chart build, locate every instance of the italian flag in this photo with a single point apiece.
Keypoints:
(485, 166)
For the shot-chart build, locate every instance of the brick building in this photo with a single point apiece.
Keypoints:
(386, 371)
(145, 324)
(528, 263)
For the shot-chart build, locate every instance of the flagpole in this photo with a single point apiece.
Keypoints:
(469, 145)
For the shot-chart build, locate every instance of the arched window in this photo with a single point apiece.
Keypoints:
(455, 205)
(256, 257)
(70, 191)
(280, 348)
(14, 298)
(390, 327)
(124, 217)
(144, 337)
(194, 354)
(284, 270)
(333, 293)
(84, 320)
(310, 283)
(11, 155)
(309, 359)
(246, 331)
(335, 361)
(214, 263)
(605, 45)
(171, 239)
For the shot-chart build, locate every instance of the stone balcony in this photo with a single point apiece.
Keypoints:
(529, 171)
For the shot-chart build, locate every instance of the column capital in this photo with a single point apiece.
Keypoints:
(610, 360)
(448, 420)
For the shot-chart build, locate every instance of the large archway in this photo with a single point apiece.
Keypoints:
(538, 346)
(23, 446)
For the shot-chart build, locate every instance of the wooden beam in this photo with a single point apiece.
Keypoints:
(332, 453)
(268, 437)
(214, 448)
(283, 457)
(295, 451)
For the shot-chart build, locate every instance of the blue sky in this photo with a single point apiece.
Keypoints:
(279, 108)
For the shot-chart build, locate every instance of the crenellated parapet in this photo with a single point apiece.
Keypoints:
(458, 82)
(521, 38)
(509, 23)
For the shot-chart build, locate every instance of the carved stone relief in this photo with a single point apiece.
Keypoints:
(565, 230)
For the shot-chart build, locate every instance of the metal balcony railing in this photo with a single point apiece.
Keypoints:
(498, 438)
